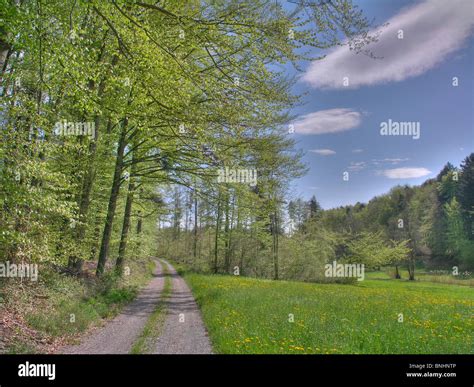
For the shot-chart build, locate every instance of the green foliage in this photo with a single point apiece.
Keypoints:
(436, 232)
(140, 72)
(303, 256)
(60, 306)
(176, 92)
(371, 250)
(448, 186)
(466, 194)
(458, 243)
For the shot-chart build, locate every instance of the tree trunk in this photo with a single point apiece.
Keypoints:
(275, 246)
(226, 236)
(411, 268)
(397, 273)
(218, 225)
(139, 223)
(126, 220)
(195, 225)
(4, 56)
(114, 192)
(75, 263)
(96, 240)
(177, 214)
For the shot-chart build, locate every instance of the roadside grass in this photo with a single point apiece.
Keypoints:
(245, 315)
(423, 275)
(57, 308)
(154, 325)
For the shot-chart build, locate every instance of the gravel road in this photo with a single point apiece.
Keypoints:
(118, 335)
(184, 331)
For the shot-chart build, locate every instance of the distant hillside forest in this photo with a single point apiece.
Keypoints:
(422, 226)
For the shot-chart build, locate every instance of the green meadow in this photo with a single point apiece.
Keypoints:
(376, 316)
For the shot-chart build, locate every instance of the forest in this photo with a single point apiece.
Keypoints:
(104, 104)
(428, 226)
(138, 129)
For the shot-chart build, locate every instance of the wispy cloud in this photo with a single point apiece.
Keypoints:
(405, 173)
(392, 161)
(432, 30)
(328, 121)
(357, 150)
(357, 166)
(323, 152)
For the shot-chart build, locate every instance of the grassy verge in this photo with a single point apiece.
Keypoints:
(245, 315)
(423, 275)
(154, 325)
(41, 316)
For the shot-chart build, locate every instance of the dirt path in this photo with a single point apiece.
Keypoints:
(118, 335)
(184, 331)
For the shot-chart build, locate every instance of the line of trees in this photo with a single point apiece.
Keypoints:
(435, 218)
(235, 231)
(173, 91)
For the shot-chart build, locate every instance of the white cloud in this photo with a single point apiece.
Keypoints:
(327, 121)
(357, 151)
(323, 152)
(357, 166)
(432, 30)
(392, 161)
(405, 173)
(395, 160)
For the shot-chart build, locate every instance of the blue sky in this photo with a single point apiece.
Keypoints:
(339, 125)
